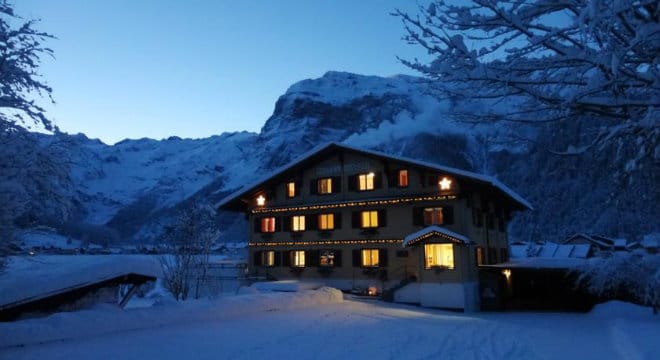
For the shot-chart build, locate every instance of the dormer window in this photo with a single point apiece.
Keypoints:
(366, 181)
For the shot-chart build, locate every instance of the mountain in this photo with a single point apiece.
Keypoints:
(128, 191)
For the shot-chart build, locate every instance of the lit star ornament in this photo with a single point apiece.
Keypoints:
(445, 184)
(261, 200)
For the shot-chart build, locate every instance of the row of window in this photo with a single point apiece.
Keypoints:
(365, 219)
(359, 182)
(435, 255)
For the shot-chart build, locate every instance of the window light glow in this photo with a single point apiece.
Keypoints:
(369, 219)
(291, 189)
(298, 258)
(366, 181)
(439, 255)
(326, 221)
(370, 257)
(298, 223)
(403, 178)
(325, 186)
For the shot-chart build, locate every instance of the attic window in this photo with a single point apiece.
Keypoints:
(403, 178)
(291, 189)
(325, 186)
(366, 181)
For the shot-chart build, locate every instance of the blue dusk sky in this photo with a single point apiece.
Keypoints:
(150, 68)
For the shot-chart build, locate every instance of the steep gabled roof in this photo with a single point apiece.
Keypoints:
(321, 150)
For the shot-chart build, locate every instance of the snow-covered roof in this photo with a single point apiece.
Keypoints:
(542, 263)
(434, 230)
(489, 180)
(45, 281)
(550, 251)
(651, 241)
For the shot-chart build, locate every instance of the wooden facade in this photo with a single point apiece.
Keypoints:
(339, 215)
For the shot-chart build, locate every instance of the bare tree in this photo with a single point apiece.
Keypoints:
(546, 61)
(189, 239)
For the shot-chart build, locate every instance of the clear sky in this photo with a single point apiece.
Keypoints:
(155, 68)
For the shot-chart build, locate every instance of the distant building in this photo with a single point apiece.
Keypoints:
(360, 219)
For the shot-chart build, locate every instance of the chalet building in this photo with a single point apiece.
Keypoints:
(360, 219)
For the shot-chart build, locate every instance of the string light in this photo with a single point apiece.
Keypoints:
(327, 242)
(431, 234)
(354, 204)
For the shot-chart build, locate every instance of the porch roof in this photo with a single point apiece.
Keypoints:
(434, 230)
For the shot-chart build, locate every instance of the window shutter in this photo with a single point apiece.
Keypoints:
(357, 261)
(257, 225)
(337, 220)
(286, 258)
(418, 216)
(311, 221)
(338, 258)
(285, 223)
(312, 258)
(422, 179)
(392, 178)
(352, 183)
(257, 258)
(278, 258)
(313, 187)
(355, 219)
(336, 184)
(447, 215)
(504, 255)
(382, 258)
(382, 218)
(378, 180)
(298, 183)
(500, 224)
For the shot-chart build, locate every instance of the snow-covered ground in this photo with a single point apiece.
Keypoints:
(318, 325)
(264, 321)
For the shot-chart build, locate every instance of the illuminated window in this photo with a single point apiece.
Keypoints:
(268, 258)
(403, 178)
(298, 258)
(370, 257)
(439, 255)
(326, 221)
(298, 223)
(433, 216)
(369, 219)
(327, 258)
(445, 184)
(366, 181)
(291, 189)
(268, 225)
(325, 186)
